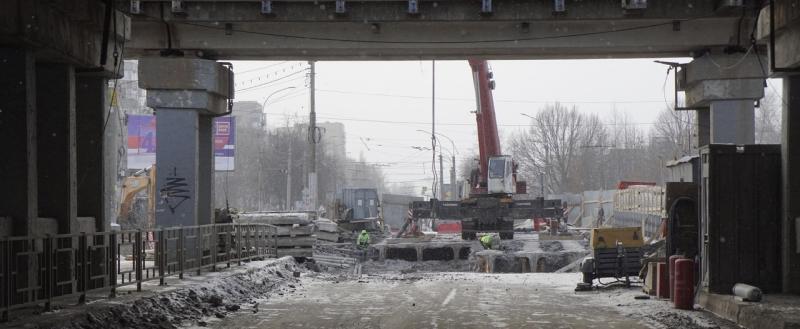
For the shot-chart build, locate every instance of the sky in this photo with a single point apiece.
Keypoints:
(384, 104)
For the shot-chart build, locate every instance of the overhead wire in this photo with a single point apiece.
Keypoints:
(523, 101)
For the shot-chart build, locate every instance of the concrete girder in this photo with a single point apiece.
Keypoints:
(63, 31)
(382, 11)
(703, 93)
(787, 32)
(186, 83)
(409, 40)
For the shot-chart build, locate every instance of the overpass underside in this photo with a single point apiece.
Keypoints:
(390, 30)
(57, 57)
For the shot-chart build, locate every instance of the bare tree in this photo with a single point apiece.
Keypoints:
(553, 146)
(768, 119)
(676, 129)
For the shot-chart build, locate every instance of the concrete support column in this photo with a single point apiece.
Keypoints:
(186, 94)
(733, 122)
(790, 151)
(55, 99)
(91, 107)
(205, 176)
(703, 126)
(18, 196)
(177, 157)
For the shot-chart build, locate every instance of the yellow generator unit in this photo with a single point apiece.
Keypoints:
(629, 237)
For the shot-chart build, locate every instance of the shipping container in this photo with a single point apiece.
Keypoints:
(363, 201)
(740, 217)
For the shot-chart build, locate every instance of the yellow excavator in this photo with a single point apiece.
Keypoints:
(142, 180)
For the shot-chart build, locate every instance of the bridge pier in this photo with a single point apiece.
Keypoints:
(186, 93)
(790, 152)
(96, 175)
(55, 103)
(723, 90)
(19, 197)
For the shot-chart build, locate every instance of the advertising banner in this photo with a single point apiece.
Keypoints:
(142, 142)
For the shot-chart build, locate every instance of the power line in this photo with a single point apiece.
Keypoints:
(270, 82)
(260, 68)
(460, 124)
(523, 101)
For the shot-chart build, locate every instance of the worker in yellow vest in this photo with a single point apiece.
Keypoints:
(486, 241)
(363, 240)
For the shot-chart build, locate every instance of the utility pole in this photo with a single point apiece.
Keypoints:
(312, 139)
(453, 187)
(289, 178)
(441, 177)
(541, 182)
(433, 125)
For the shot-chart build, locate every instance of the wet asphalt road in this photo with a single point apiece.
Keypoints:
(468, 300)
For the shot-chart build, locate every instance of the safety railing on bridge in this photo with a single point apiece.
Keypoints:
(46, 269)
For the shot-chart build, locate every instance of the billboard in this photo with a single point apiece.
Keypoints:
(142, 142)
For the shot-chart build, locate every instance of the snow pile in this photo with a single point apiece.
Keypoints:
(195, 304)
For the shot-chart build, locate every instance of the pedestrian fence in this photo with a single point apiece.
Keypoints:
(41, 270)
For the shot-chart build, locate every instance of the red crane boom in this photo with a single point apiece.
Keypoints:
(488, 139)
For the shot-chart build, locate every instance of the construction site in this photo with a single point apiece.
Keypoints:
(400, 164)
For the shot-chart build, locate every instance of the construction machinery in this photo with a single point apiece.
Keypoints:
(616, 253)
(142, 180)
(490, 206)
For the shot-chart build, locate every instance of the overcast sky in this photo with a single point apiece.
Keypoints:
(383, 104)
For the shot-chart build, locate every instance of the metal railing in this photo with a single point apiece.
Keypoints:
(37, 270)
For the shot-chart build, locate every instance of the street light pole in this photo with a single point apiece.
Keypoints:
(433, 123)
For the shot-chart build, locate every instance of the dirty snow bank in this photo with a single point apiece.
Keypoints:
(192, 305)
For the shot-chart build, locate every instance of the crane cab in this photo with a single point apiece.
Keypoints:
(501, 175)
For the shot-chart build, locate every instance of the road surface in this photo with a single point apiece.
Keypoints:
(457, 300)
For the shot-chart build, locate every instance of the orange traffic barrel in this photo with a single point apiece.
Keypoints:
(683, 295)
(672, 260)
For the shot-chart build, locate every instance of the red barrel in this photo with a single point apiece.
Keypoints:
(662, 282)
(683, 295)
(672, 260)
(536, 224)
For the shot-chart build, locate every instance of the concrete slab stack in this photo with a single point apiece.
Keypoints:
(294, 231)
(327, 230)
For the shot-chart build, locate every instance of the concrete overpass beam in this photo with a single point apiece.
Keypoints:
(55, 99)
(727, 86)
(18, 197)
(186, 94)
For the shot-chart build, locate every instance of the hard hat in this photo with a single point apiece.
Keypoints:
(363, 231)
